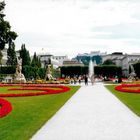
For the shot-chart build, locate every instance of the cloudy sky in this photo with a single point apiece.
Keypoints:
(75, 26)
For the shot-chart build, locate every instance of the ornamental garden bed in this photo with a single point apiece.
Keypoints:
(128, 94)
(26, 114)
(129, 88)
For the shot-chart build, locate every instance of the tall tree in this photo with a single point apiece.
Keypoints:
(11, 55)
(25, 55)
(36, 61)
(6, 35)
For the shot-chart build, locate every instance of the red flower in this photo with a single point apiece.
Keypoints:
(126, 88)
(44, 89)
(5, 108)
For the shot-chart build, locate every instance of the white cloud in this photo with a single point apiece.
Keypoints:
(66, 26)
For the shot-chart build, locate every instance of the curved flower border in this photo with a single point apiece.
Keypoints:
(5, 108)
(43, 88)
(123, 88)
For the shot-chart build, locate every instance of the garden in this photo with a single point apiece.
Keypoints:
(24, 108)
(129, 94)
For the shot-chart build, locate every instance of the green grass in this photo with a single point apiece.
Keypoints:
(30, 113)
(132, 100)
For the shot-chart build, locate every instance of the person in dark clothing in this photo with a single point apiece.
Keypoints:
(86, 80)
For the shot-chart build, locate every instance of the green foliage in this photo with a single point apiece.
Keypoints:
(28, 71)
(6, 35)
(2, 5)
(108, 62)
(7, 70)
(1, 55)
(105, 70)
(11, 55)
(108, 70)
(33, 72)
(24, 54)
(30, 114)
(86, 59)
(41, 72)
(132, 100)
(73, 70)
(56, 73)
(36, 61)
(137, 69)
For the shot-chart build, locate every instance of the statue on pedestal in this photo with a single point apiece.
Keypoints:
(19, 77)
(48, 75)
(132, 75)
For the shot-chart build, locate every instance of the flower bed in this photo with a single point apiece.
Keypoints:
(5, 106)
(44, 89)
(130, 88)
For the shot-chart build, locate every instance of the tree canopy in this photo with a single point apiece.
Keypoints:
(11, 55)
(36, 61)
(108, 62)
(86, 59)
(6, 35)
(25, 55)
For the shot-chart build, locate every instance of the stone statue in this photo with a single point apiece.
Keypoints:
(19, 65)
(48, 75)
(132, 75)
(19, 77)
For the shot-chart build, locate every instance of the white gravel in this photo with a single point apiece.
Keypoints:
(93, 113)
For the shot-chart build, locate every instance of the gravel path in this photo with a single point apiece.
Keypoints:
(93, 113)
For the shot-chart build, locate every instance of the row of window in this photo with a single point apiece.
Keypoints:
(58, 58)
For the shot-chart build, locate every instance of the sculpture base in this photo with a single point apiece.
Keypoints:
(20, 79)
(49, 77)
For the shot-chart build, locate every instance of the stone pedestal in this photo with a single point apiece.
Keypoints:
(19, 78)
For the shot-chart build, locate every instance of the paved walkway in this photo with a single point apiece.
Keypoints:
(93, 113)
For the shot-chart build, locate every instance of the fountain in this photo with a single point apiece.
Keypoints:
(90, 69)
(92, 64)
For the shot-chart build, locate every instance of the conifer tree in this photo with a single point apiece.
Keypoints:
(6, 35)
(11, 55)
(36, 61)
(24, 54)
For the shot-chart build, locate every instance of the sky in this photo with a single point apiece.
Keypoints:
(69, 27)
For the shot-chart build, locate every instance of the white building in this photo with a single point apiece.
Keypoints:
(60, 59)
(123, 60)
(72, 63)
(92, 53)
(47, 58)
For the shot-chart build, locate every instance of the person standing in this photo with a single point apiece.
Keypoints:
(86, 80)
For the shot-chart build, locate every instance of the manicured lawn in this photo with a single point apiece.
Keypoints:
(30, 113)
(132, 100)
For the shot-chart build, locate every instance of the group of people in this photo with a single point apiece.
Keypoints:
(92, 79)
(84, 78)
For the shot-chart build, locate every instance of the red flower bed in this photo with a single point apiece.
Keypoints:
(5, 107)
(44, 89)
(126, 88)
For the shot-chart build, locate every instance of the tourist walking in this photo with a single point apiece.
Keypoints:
(79, 79)
(86, 80)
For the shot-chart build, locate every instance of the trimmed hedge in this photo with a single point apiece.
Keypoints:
(105, 70)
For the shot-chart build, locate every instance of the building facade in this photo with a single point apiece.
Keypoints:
(56, 61)
(122, 60)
